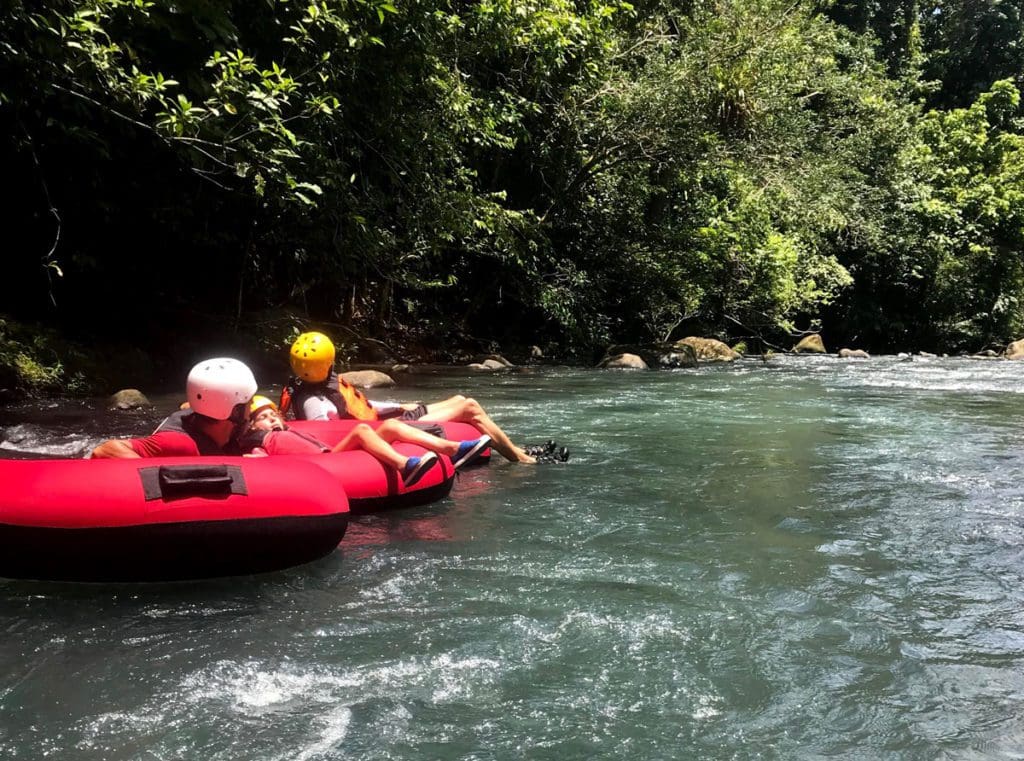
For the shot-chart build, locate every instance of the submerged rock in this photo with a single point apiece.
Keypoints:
(708, 349)
(128, 399)
(496, 361)
(676, 359)
(485, 367)
(853, 354)
(683, 356)
(656, 355)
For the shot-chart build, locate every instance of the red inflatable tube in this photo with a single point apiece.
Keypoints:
(372, 486)
(165, 518)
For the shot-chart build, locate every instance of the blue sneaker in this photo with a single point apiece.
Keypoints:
(416, 467)
(469, 451)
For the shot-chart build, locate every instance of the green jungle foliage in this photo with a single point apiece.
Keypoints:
(561, 173)
(30, 357)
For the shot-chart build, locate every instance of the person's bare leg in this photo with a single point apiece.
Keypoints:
(462, 410)
(396, 430)
(364, 437)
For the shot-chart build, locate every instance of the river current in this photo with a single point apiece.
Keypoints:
(807, 558)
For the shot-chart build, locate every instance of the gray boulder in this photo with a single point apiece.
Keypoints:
(709, 349)
(623, 362)
(811, 344)
(368, 379)
(1015, 350)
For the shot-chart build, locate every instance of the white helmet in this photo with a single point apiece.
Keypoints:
(216, 386)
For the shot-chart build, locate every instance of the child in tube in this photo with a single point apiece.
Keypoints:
(268, 434)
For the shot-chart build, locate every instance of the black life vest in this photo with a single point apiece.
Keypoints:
(351, 404)
(185, 421)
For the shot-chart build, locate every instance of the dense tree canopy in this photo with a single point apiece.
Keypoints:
(566, 173)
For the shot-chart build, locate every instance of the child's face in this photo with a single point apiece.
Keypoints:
(268, 419)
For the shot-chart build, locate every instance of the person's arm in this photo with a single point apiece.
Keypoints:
(159, 444)
(115, 448)
(319, 408)
(290, 442)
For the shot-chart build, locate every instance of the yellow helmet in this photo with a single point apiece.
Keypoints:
(259, 402)
(312, 357)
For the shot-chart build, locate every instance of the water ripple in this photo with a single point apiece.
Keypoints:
(800, 559)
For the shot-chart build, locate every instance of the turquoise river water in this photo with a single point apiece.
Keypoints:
(802, 559)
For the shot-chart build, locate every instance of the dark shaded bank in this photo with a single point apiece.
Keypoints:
(47, 360)
(83, 360)
(69, 361)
